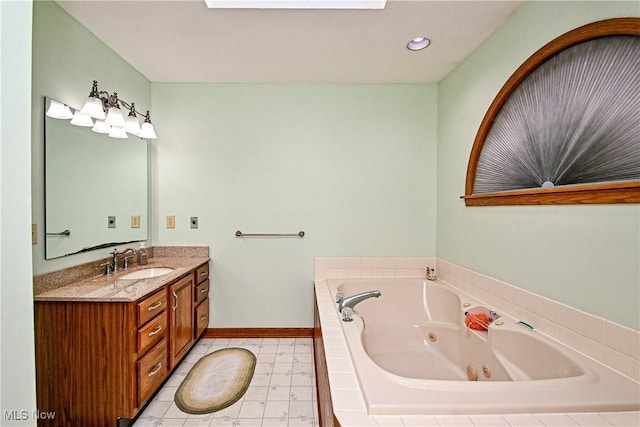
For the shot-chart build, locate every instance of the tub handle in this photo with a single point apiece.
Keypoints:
(347, 314)
(339, 297)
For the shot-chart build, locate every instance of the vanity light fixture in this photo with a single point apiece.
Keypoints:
(101, 127)
(146, 130)
(131, 124)
(117, 132)
(114, 115)
(418, 43)
(58, 110)
(80, 119)
(105, 108)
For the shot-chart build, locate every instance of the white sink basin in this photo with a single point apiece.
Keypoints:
(147, 273)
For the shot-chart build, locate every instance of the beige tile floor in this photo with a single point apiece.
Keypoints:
(282, 392)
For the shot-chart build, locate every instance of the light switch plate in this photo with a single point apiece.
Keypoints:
(171, 221)
(111, 222)
(135, 221)
(194, 222)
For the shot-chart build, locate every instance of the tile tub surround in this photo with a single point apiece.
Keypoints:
(609, 343)
(349, 406)
(179, 256)
(372, 268)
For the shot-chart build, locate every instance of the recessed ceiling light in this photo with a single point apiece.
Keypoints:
(418, 43)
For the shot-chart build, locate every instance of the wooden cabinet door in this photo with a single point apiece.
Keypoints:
(181, 314)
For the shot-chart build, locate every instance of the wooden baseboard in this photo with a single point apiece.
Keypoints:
(258, 333)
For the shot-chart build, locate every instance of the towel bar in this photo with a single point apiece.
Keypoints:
(241, 234)
(62, 233)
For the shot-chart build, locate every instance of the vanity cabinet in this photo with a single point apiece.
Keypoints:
(99, 362)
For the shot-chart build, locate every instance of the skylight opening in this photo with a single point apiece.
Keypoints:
(296, 4)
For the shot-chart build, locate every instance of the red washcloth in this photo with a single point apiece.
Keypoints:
(479, 321)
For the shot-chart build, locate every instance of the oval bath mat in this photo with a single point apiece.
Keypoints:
(216, 381)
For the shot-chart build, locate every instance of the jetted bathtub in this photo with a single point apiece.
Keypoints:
(413, 354)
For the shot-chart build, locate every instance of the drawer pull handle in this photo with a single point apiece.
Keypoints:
(202, 291)
(204, 273)
(155, 306)
(155, 370)
(175, 307)
(204, 316)
(155, 331)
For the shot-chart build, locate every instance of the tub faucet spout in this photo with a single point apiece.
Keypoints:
(357, 298)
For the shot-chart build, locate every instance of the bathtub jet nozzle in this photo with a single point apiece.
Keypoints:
(357, 298)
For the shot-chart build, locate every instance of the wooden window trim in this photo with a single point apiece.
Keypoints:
(617, 192)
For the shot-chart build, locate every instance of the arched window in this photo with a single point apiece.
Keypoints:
(565, 127)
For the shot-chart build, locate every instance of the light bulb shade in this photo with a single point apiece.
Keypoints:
(58, 110)
(147, 131)
(80, 119)
(115, 117)
(93, 108)
(101, 127)
(117, 132)
(131, 125)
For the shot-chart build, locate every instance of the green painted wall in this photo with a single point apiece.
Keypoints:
(17, 358)
(354, 166)
(584, 256)
(66, 59)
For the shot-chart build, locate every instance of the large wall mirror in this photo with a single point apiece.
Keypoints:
(95, 189)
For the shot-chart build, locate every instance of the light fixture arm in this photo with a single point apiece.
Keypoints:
(131, 107)
(111, 100)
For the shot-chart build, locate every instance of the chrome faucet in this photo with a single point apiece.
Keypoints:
(114, 262)
(351, 301)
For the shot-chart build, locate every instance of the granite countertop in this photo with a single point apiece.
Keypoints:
(112, 288)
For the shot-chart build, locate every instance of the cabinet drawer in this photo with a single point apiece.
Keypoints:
(202, 292)
(202, 273)
(202, 317)
(152, 332)
(152, 370)
(151, 306)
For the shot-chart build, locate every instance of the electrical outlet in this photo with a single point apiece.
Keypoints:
(135, 221)
(171, 221)
(194, 222)
(34, 234)
(111, 222)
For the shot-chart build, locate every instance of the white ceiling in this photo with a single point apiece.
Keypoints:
(184, 41)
